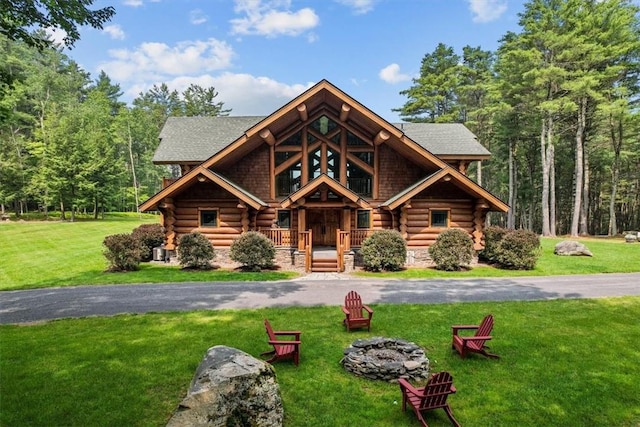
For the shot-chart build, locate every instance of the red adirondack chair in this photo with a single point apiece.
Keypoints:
(356, 314)
(431, 396)
(476, 343)
(282, 349)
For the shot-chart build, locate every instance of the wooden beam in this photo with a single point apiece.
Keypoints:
(302, 112)
(344, 112)
(381, 137)
(267, 136)
(272, 172)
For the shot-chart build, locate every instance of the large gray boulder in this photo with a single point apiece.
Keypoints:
(632, 237)
(571, 248)
(231, 389)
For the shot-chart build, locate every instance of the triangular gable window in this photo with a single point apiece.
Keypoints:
(324, 125)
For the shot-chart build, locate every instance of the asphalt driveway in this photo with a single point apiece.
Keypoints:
(315, 289)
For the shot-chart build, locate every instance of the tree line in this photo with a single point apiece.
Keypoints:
(557, 105)
(67, 142)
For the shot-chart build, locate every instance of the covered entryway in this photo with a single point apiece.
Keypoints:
(323, 223)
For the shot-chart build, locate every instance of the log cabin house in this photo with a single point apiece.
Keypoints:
(322, 172)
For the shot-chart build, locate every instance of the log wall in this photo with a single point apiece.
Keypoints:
(417, 229)
(230, 219)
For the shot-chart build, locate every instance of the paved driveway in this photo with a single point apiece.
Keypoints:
(315, 289)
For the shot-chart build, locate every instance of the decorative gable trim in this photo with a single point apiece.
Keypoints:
(335, 186)
(458, 179)
(199, 174)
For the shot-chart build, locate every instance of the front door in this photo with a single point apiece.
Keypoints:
(323, 224)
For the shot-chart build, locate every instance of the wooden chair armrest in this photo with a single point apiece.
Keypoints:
(296, 334)
(366, 307)
(476, 338)
(285, 342)
(345, 311)
(404, 384)
(453, 389)
(457, 328)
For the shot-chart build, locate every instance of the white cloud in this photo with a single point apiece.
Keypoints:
(114, 31)
(133, 3)
(487, 10)
(391, 74)
(197, 17)
(272, 18)
(56, 35)
(359, 6)
(244, 94)
(155, 60)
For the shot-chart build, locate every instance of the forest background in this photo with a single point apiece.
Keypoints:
(557, 104)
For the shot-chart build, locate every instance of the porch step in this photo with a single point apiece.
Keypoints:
(324, 265)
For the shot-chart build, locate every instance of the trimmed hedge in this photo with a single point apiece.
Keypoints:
(518, 250)
(453, 250)
(253, 250)
(149, 236)
(492, 237)
(384, 250)
(123, 252)
(195, 251)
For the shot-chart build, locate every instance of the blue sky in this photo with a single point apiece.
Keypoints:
(259, 54)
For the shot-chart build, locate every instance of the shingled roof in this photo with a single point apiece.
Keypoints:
(195, 139)
(444, 139)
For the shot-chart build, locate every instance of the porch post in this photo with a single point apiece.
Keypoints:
(346, 226)
(403, 219)
(302, 226)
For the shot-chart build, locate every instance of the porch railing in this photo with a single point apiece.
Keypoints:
(281, 237)
(358, 236)
(285, 237)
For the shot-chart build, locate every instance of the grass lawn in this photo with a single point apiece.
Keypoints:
(563, 363)
(610, 255)
(39, 254)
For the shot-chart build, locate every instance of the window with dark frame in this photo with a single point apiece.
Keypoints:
(284, 218)
(363, 219)
(439, 218)
(208, 218)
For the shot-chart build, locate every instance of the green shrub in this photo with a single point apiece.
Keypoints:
(149, 236)
(123, 252)
(453, 250)
(195, 251)
(518, 250)
(253, 250)
(384, 250)
(492, 237)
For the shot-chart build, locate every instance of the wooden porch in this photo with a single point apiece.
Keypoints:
(302, 241)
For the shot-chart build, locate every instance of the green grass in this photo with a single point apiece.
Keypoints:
(563, 363)
(38, 254)
(609, 256)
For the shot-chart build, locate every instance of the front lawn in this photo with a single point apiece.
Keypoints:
(43, 254)
(563, 363)
(610, 255)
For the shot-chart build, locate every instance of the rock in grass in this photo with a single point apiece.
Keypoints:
(231, 388)
(571, 248)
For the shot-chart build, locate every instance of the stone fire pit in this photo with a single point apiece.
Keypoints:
(386, 359)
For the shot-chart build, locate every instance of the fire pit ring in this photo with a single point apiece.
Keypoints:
(386, 359)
